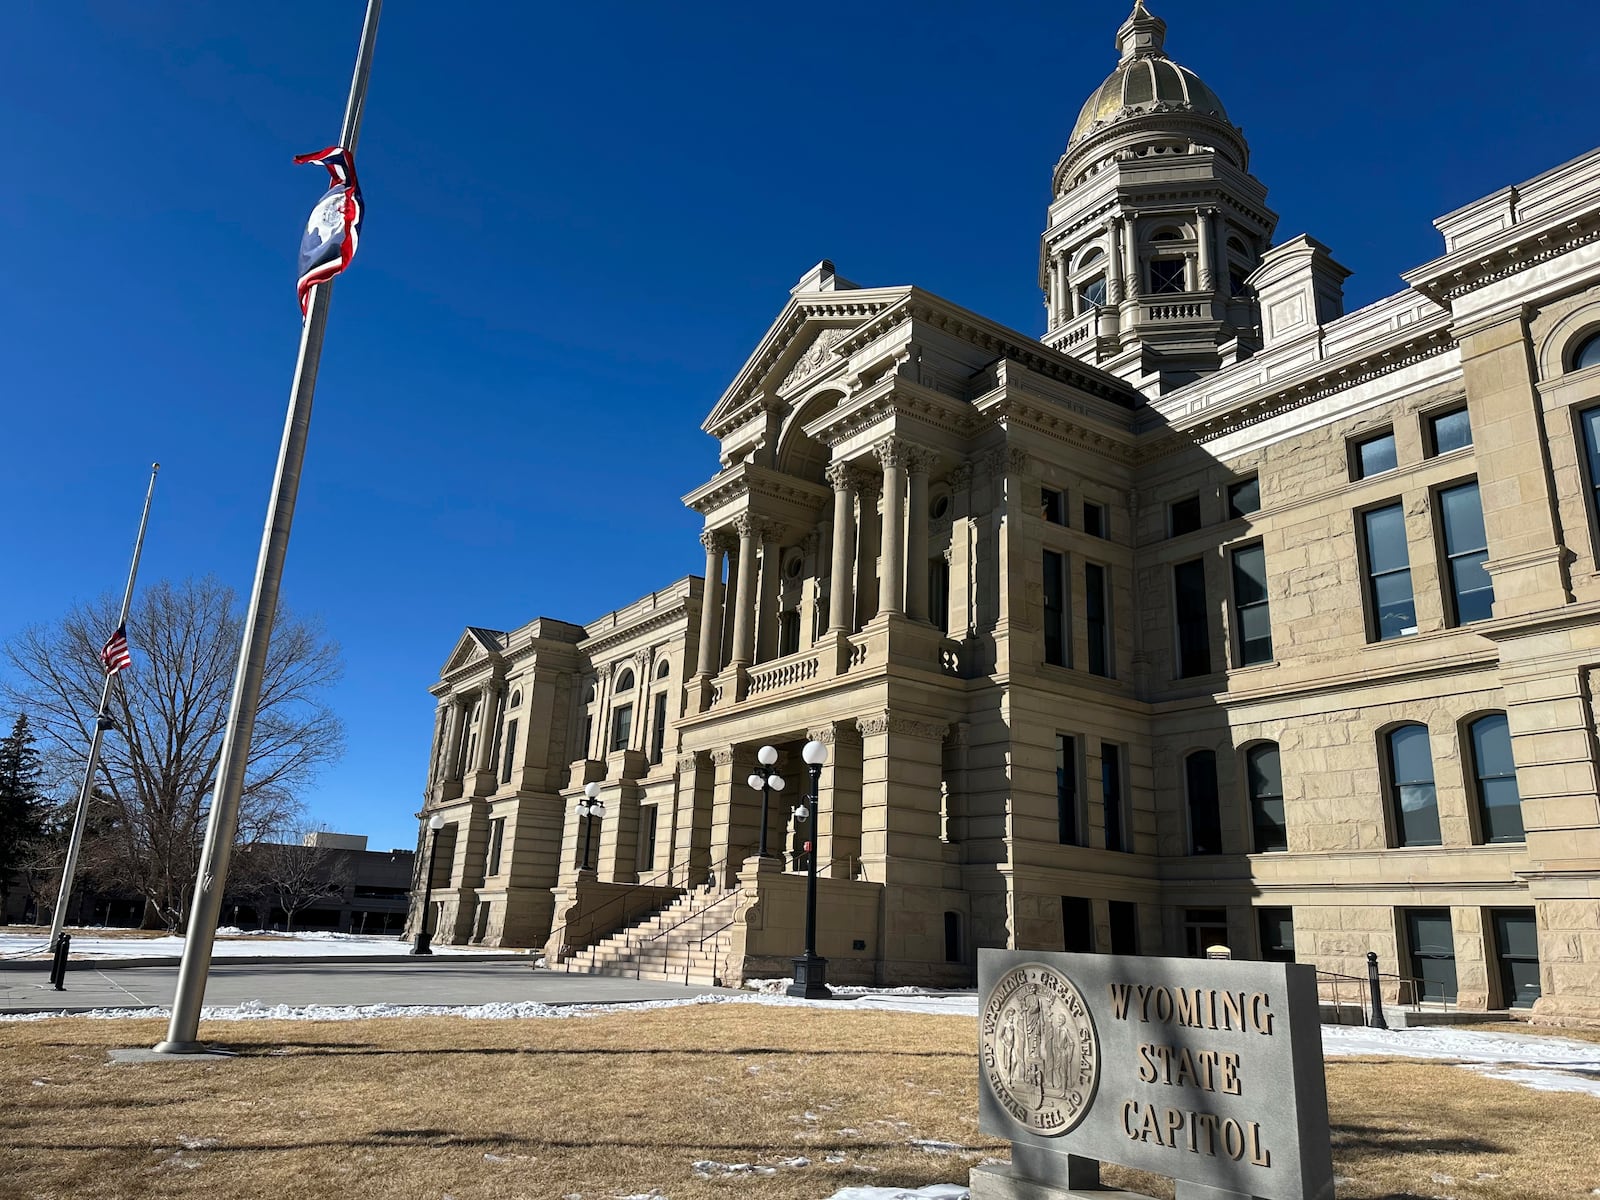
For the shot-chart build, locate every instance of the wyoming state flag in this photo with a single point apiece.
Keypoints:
(331, 234)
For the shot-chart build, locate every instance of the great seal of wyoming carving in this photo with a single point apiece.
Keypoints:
(1040, 1052)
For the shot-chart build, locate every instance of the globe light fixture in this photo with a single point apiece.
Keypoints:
(591, 808)
(766, 780)
(811, 971)
(424, 942)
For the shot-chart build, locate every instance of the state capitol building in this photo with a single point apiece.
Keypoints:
(1214, 615)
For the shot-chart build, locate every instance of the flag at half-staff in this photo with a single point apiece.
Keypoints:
(329, 242)
(114, 654)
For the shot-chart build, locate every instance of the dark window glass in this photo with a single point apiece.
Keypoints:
(511, 751)
(497, 837)
(1053, 506)
(1236, 281)
(1244, 497)
(1204, 928)
(1093, 293)
(1373, 456)
(939, 593)
(788, 632)
(1124, 927)
(1516, 940)
(1205, 810)
(1094, 520)
(1266, 798)
(1499, 802)
(1194, 635)
(1077, 925)
(1097, 617)
(1183, 516)
(1449, 431)
(1394, 613)
(625, 681)
(588, 733)
(1412, 801)
(1588, 354)
(1166, 276)
(1111, 795)
(952, 937)
(1433, 955)
(1055, 608)
(658, 736)
(1252, 621)
(1067, 790)
(1590, 421)
(1466, 547)
(621, 727)
(1277, 934)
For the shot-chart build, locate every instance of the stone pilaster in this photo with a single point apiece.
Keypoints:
(917, 467)
(841, 593)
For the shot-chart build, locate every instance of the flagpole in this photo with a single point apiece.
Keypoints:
(102, 722)
(223, 824)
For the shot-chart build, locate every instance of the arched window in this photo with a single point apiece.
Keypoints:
(1495, 772)
(1587, 354)
(625, 681)
(1167, 235)
(1205, 813)
(664, 668)
(1089, 282)
(1413, 804)
(516, 700)
(1265, 779)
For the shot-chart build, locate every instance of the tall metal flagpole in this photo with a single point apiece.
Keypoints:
(223, 824)
(102, 722)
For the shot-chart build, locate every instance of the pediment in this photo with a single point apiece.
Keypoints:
(798, 348)
(474, 645)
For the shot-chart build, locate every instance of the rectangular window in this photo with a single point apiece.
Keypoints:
(1205, 805)
(1204, 928)
(1095, 523)
(511, 751)
(1466, 547)
(1251, 620)
(1244, 497)
(1166, 276)
(1067, 790)
(1590, 421)
(1373, 455)
(1097, 617)
(1516, 943)
(1183, 516)
(1189, 602)
(646, 859)
(621, 727)
(1277, 934)
(588, 733)
(1111, 796)
(1124, 927)
(497, 837)
(1393, 612)
(1053, 506)
(1433, 955)
(1055, 609)
(1077, 925)
(658, 738)
(939, 592)
(1449, 431)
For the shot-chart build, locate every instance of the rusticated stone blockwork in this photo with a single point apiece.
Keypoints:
(1215, 615)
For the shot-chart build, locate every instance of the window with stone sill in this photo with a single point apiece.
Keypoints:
(1167, 277)
(1252, 615)
(1277, 934)
(1096, 521)
(1244, 497)
(1264, 778)
(1391, 608)
(1097, 619)
(1057, 642)
(1494, 775)
(1447, 431)
(1466, 549)
(621, 727)
(1192, 612)
(1372, 455)
(1113, 798)
(1413, 801)
(1068, 818)
(1053, 505)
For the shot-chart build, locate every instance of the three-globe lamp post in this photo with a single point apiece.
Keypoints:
(591, 808)
(424, 943)
(766, 780)
(811, 971)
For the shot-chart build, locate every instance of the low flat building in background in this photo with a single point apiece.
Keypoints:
(1214, 616)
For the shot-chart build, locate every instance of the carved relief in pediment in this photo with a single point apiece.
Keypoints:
(814, 357)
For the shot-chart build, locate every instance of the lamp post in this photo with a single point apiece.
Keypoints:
(810, 971)
(424, 938)
(765, 779)
(591, 808)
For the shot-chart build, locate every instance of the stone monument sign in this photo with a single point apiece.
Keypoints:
(1207, 1071)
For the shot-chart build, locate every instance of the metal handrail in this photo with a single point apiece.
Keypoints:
(716, 973)
(722, 897)
(665, 873)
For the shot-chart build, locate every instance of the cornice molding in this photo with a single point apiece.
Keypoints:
(1447, 281)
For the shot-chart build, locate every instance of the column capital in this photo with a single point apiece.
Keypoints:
(893, 452)
(960, 476)
(842, 476)
(834, 733)
(714, 540)
(723, 756)
(920, 460)
(748, 525)
(1006, 460)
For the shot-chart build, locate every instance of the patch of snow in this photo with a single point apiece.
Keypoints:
(934, 1191)
(1547, 1064)
(935, 1146)
(231, 943)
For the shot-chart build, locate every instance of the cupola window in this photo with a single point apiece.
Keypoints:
(1167, 277)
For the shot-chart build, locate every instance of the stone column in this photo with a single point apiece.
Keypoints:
(730, 607)
(711, 606)
(841, 598)
(767, 604)
(893, 454)
(441, 738)
(1057, 275)
(458, 734)
(869, 527)
(1114, 268)
(486, 723)
(1130, 267)
(963, 592)
(744, 597)
(917, 534)
(1205, 233)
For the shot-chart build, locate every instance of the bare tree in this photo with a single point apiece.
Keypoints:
(295, 875)
(158, 767)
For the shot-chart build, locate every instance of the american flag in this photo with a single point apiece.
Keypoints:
(329, 242)
(115, 652)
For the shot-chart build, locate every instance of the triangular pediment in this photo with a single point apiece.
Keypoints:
(800, 346)
(475, 644)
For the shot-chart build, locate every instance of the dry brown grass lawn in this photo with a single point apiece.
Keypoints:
(618, 1104)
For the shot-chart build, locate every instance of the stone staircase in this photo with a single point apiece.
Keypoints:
(687, 942)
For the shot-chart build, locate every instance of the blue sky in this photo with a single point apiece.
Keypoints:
(581, 218)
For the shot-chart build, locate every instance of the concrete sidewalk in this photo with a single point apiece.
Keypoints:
(445, 981)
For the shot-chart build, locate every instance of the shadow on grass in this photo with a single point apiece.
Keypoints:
(357, 1050)
(1399, 1141)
